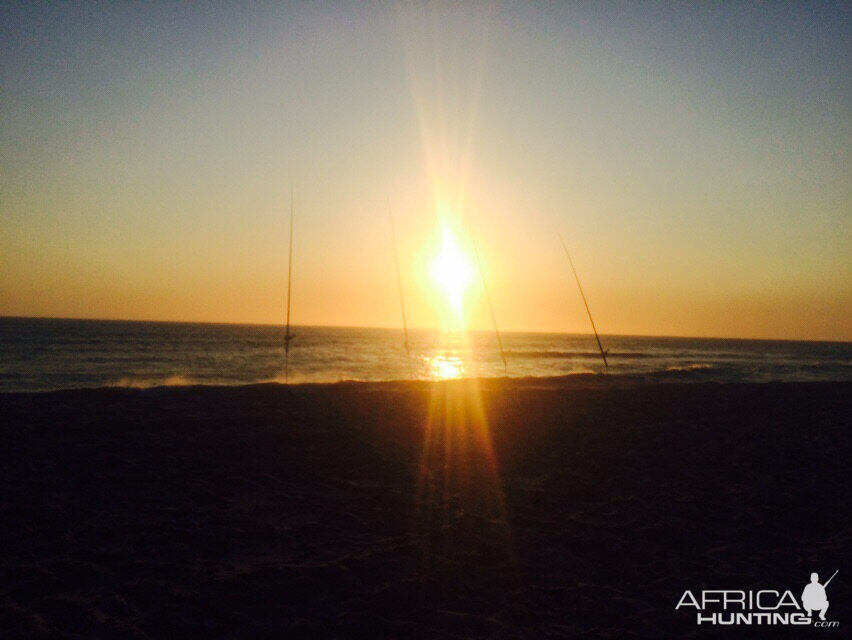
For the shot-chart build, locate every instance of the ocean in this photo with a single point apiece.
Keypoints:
(49, 354)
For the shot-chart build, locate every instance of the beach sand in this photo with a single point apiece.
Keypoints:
(552, 508)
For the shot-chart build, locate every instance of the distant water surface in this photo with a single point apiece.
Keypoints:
(47, 354)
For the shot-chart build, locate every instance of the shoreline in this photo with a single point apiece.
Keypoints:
(667, 377)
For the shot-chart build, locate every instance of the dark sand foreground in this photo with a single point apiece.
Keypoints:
(377, 510)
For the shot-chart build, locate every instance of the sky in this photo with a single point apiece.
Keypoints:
(695, 157)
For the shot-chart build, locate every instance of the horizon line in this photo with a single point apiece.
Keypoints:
(399, 328)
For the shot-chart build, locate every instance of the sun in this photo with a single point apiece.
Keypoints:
(452, 271)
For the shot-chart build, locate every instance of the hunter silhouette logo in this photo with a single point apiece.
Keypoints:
(814, 598)
(731, 607)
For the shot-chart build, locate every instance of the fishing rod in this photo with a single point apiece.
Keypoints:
(825, 584)
(583, 296)
(401, 299)
(287, 335)
(490, 306)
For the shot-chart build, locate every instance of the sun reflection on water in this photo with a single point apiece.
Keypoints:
(443, 367)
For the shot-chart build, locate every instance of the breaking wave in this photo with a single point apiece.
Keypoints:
(132, 382)
(695, 366)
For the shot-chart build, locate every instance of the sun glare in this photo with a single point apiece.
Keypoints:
(452, 271)
(446, 367)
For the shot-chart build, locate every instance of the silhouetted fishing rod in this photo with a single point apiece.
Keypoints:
(583, 296)
(401, 299)
(825, 584)
(287, 335)
(490, 306)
